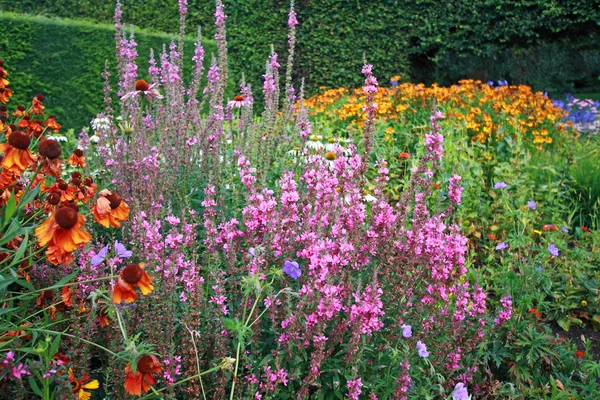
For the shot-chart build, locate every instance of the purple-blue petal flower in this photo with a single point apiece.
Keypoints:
(501, 246)
(553, 250)
(292, 269)
(121, 251)
(406, 331)
(460, 392)
(532, 204)
(422, 349)
(100, 257)
(500, 185)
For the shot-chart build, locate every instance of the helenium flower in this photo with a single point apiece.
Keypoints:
(292, 269)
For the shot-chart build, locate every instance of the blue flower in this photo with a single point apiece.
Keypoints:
(121, 251)
(539, 269)
(564, 229)
(406, 331)
(500, 185)
(532, 204)
(422, 349)
(553, 250)
(460, 392)
(501, 246)
(490, 83)
(100, 257)
(292, 269)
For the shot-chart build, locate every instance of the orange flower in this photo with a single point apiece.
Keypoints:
(404, 155)
(5, 94)
(110, 209)
(102, 316)
(17, 156)
(52, 124)
(491, 236)
(79, 384)
(20, 111)
(77, 159)
(143, 378)
(534, 311)
(67, 296)
(63, 230)
(44, 297)
(50, 152)
(132, 275)
(36, 105)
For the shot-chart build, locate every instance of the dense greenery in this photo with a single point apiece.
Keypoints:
(424, 39)
(67, 69)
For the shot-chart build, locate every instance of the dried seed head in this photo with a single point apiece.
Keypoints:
(50, 149)
(19, 140)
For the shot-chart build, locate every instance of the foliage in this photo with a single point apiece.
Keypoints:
(67, 69)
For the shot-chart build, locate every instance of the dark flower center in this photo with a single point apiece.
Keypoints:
(20, 108)
(132, 275)
(53, 198)
(76, 386)
(141, 85)
(115, 200)
(66, 217)
(145, 364)
(19, 140)
(50, 149)
(40, 97)
(48, 295)
(78, 152)
(62, 185)
(239, 97)
(88, 181)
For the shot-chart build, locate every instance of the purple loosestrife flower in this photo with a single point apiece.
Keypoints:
(422, 349)
(532, 205)
(406, 331)
(501, 246)
(292, 269)
(500, 185)
(354, 388)
(553, 250)
(455, 190)
(460, 392)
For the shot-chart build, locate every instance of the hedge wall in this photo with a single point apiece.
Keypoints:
(64, 60)
(417, 38)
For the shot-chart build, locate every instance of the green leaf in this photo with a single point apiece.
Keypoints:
(9, 211)
(34, 386)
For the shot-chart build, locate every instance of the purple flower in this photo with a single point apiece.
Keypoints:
(500, 185)
(460, 392)
(406, 331)
(539, 269)
(121, 251)
(553, 250)
(100, 257)
(292, 269)
(532, 204)
(490, 83)
(501, 246)
(422, 349)
(564, 229)
(19, 371)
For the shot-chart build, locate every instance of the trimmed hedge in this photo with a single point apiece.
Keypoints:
(420, 39)
(64, 60)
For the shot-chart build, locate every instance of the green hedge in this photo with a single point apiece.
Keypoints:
(64, 60)
(420, 39)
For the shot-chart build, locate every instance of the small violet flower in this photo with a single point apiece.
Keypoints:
(501, 246)
(532, 205)
(460, 392)
(406, 331)
(500, 185)
(564, 229)
(121, 251)
(292, 269)
(553, 250)
(100, 257)
(539, 269)
(422, 349)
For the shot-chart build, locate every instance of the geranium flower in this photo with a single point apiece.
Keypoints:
(531, 204)
(292, 269)
(63, 229)
(132, 275)
(142, 88)
(501, 246)
(78, 386)
(406, 331)
(110, 209)
(77, 159)
(552, 249)
(100, 257)
(460, 392)
(17, 156)
(121, 250)
(143, 378)
(500, 185)
(422, 349)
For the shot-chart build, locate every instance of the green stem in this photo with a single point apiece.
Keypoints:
(112, 353)
(66, 284)
(121, 326)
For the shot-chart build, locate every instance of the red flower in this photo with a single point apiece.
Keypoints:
(143, 378)
(579, 353)
(491, 236)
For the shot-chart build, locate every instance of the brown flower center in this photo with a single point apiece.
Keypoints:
(66, 217)
(76, 386)
(50, 149)
(78, 152)
(142, 85)
(62, 185)
(53, 198)
(40, 97)
(145, 365)
(20, 108)
(115, 200)
(239, 97)
(330, 156)
(88, 181)
(132, 274)
(19, 140)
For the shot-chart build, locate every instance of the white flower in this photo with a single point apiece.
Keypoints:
(369, 198)
(314, 143)
(58, 138)
(100, 124)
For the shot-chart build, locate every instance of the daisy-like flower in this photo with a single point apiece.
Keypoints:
(314, 143)
(50, 151)
(64, 230)
(110, 209)
(238, 101)
(79, 386)
(330, 157)
(52, 124)
(77, 159)
(17, 156)
(36, 105)
(142, 88)
(143, 378)
(132, 275)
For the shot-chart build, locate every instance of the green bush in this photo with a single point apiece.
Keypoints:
(64, 61)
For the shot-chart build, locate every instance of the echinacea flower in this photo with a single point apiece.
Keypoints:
(292, 269)
(142, 88)
(63, 229)
(110, 209)
(129, 277)
(460, 392)
(78, 386)
(238, 101)
(143, 378)
(17, 156)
